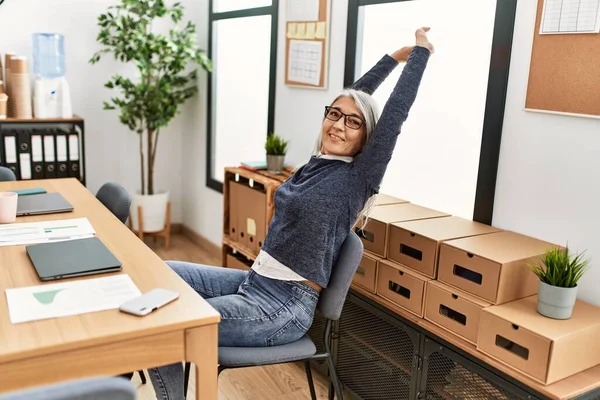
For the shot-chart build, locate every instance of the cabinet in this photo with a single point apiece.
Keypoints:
(43, 148)
(247, 210)
(381, 355)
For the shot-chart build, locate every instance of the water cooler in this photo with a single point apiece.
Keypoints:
(51, 93)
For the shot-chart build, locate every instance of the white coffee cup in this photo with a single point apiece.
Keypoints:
(8, 207)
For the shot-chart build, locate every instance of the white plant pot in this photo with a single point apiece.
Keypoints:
(154, 211)
(556, 302)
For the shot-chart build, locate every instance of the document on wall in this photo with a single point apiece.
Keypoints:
(70, 298)
(302, 10)
(305, 61)
(45, 231)
(570, 16)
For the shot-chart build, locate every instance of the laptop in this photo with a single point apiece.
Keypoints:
(45, 203)
(72, 258)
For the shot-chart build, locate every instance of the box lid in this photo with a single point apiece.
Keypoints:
(446, 228)
(403, 212)
(383, 199)
(459, 293)
(502, 247)
(524, 314)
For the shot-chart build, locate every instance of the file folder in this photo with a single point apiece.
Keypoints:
(49, 155)
(37, 155)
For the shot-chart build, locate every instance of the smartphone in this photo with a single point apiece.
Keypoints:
(148, 302)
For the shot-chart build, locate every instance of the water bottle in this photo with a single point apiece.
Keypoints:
(48, 55)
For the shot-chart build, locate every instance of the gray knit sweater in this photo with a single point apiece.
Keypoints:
(316, 208)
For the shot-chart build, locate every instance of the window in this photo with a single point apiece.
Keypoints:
(446, 157)
(242, 46)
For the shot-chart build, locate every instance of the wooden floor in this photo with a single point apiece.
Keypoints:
(281, 382)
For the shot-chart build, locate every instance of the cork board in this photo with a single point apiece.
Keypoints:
(307, 43)
(564, 74)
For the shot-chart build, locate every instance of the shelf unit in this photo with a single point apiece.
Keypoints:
(264, 182)
(66, 124)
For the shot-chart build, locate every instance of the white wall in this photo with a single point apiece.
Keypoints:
(111, 149)
(548, 173)
(298, 111)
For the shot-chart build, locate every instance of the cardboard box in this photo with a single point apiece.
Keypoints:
(384, 199)
(401, 286)
(236, 263)
(416, 243)
(493, 266)
(545, 349)
(366, 274)
(453, 310)
(252, 214)
(374, 235)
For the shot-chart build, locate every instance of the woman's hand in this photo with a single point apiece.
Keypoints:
(421, 39)
(402, 54)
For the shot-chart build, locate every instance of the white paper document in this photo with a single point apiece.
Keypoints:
(302, 10)
(45, 231)
(570, 16)
(70, 298)
(305, 61)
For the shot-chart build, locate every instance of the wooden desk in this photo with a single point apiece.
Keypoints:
(108, 342)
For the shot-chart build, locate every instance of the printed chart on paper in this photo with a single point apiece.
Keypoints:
(305, 61)
(570, 16)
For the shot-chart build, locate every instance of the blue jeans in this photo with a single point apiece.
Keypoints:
(255, 311)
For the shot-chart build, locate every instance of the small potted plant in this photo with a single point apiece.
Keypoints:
(559, 273)
(276, 148)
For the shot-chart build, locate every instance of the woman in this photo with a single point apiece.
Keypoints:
(315, 209)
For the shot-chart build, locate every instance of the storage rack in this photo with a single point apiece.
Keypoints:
(75, 124)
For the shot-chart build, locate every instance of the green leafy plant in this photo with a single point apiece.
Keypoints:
(149, 102)
(275, 145)
(560, 268)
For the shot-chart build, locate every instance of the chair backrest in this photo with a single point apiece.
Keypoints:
(6, 174)
(116, 199)
(112, 388)
(332, 298)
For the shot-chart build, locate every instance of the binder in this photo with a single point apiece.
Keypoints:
(37, 154)
(24, 150)
(49, 154)
(73, 148)
(11, 160)
(62, 154)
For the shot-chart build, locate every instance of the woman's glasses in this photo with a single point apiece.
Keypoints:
(351, 121)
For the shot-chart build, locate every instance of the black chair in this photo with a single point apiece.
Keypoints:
(118, 201)
(7, 174)
(331, 302)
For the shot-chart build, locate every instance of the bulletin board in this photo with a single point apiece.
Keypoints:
(564, 74)
(307, 43)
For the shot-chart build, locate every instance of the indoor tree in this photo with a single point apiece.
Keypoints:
(151, 100)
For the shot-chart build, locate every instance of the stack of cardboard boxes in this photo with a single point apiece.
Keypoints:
(471, 279)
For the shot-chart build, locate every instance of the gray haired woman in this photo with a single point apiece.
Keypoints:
(274, 302)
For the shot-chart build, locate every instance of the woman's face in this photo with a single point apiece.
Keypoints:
(343, 130)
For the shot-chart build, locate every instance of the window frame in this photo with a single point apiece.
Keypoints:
(273, 11)
(495, 99)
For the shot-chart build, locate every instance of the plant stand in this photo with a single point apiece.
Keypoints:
(165, 233)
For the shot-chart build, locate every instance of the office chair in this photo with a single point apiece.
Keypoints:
(7, 174)
(331, 302)
(117, 200)
(84, 389)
